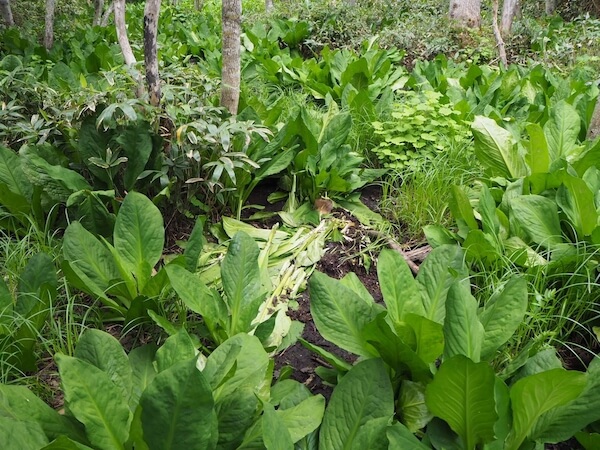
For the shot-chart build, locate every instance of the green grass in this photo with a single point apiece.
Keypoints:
(418, 195)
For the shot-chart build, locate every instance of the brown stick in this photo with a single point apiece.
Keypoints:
(395, 246)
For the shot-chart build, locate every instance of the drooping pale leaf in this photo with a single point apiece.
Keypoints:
(439, 270)
(400, 290)
(401, 437)
(339, 313)
(561, 423)
(303, 418)
(18, 435)
(178, 409)
(538, 216)
(414, 412)
(502, 315)
(179, 347)
(496, 149)
(577, 201)
(534, 395)
(142, 370)
(95, 401)
(365, 393)
(462, 393)
(241, 277)
(139, 235)
(275, 434)
(196, 295)
(463, 332)
(18, 403)
(538, 155)
(85, 252)
(562, 129)
(106, 353)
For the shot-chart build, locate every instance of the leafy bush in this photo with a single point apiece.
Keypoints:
(419, 128)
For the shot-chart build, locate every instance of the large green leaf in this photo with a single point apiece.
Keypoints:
(561, 423)
(538, 156)
(275, 434)
(196, 295)
(339, 313)
(411, 402)
(562, 129)
(18, 403)
(106, 353)
(12, 175)
(236, 412)
(437, 273)
(141, 360)
(139, 236)
(240, 273)
(178, 409)
(136, 142)
(463, 332)
(179, 347)
(303, 418)
(462, 393)
(496, 149)
(365, 393)
(88, 255)
(538, 216)
(400, 291)
(577, 201)
(429, 337)
(401, 437)
(21, 435)
(502, 315)
(95, 401)
(534, 395)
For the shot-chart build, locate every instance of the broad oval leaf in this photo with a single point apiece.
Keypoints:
(139, 235)
(365, 393)
(17, 435)
(462, 393)
(538, 217)
(95, 401)
(339, 313)
(178, 409)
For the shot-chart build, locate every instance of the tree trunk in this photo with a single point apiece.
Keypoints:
(550, 6)
(98, 9)
(121, 28)
(466, 13)
(498, 35)
(268, 5)
(6, 13)
(151, 12)
(198, 4)
(230, 72)
(49, 29)
(509, 12)
(594, 129)
(106, 15)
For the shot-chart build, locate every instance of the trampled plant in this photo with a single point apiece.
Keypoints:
(434, 320)
(160, 398)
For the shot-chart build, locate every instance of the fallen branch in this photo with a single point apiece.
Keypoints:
(395, 246)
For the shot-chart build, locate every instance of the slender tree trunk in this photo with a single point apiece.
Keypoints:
(550, 6)
(498, 35)
(594, 129)
(268, 5)
(198, 4)
(106, 15)
(466, 13)
(230, 71)
(151, 12)
(121, 28)
(509, 12)
(6, 13)
(98, 10)
(49, 29)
